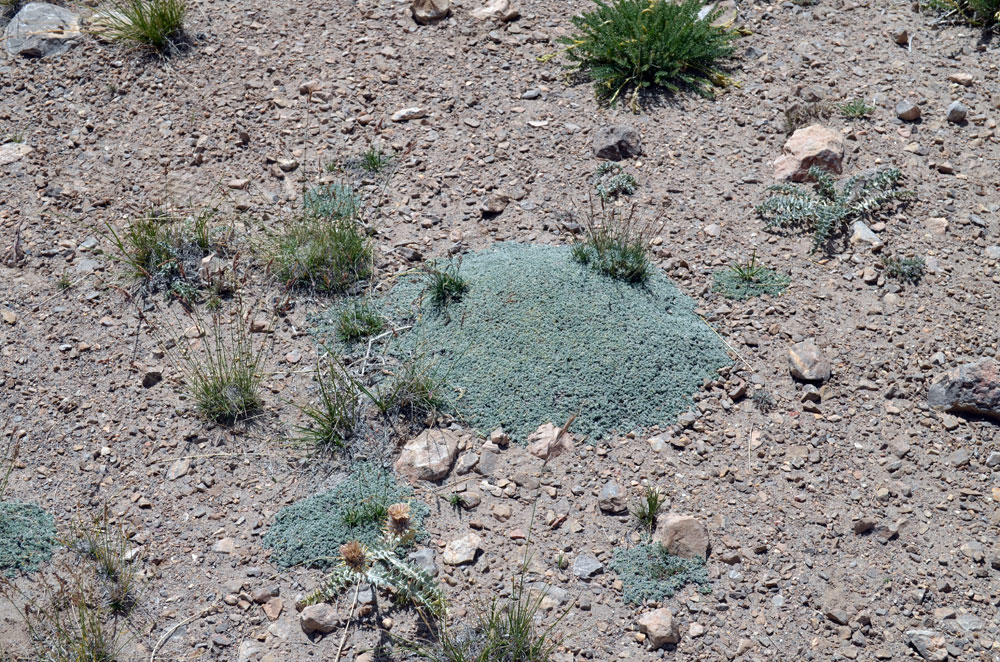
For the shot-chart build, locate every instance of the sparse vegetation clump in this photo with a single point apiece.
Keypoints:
(224, 375)
(359, 320)
(414, 389)
(610, 182)
(648, 509)
(982, 13)
(907, 269)
(445, 284)
(616, 245)
(334, 420)
(326, 248)
(155, 24)
(626, 46)
(856, 109)
(374, 160)
(744, 280)
(826, 211)
(106, 543)
(649, 572)
(312, 531)
(27, 537)
(803, 114)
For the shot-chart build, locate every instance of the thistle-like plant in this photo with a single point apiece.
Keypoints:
(827, 211)
(380, 565)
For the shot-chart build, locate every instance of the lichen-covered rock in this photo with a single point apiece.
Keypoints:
(972, 387)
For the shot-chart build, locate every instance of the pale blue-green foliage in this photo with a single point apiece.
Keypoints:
(312, 530)
(27, 536)
(538, 338)
(648, 572)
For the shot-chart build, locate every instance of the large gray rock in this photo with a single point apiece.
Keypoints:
(322, 618)
(807, 362)
(930, 644)
(615, 143)
(41, 30)
(973, 387)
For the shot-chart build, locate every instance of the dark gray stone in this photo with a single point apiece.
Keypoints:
(616, 143)
(973, 387)
(586, 566)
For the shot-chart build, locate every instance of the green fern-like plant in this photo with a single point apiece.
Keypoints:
(827, 211)
(626, 46)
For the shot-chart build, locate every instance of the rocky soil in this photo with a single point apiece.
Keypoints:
(851, 520)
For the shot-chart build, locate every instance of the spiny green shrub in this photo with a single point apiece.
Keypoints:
(744, 280)
(610, 182)
(615, 245)
(828, 211)
(156, 24)
(983, 13)
(312, 531)
(626, 46)
(649, 572)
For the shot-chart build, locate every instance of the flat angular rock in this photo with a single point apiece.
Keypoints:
(11, 152)
(429, 455)
(463, 550)
(808, 147)
(861, 233)
(612, 499)
(41, 30)
(806, 362)
(618, 142)
(973, 387)
(430, 11)
(586, 566)
(907, 111)
(930, 644)
(660, 628)
(682, 535)
(502, 10)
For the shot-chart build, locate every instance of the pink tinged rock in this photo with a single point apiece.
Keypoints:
(807, 362)
(811, 146)
(502, 10)
(660, 628)
(682, 535)
(973, 387)
(546, 442)
(428, 456)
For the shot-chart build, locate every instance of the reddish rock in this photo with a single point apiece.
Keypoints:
(812, 146)
(660, 628)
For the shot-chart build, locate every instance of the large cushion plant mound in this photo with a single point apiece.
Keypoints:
(27, 536)
(538, 337)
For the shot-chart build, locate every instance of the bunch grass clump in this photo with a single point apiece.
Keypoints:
(334, 419)
(311, 532)
(445, 284)
(326, 248)
(650, 573)
(106, 543)
(374, 160)
(828, 211)
(745, 280)
(224, 377)
(616, 245)
(626, 46)
(359, 320)
(154, 24)
(648, 509)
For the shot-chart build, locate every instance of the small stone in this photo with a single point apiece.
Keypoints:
(424, 560)
(288, 165)
(9, 316)
(494, 204)
(586, 566)
(901, 36)
(462, 550)
(993, 459)
(41, 29)
(963, 79)
(807, 363)
(861, 233)
(179, 468)
(224, 546)
(907, 111)
(864, 525)
(408, 114)
(321, 618)
(695, 630)
(548, 442)
(272, 608)
(660, 628)
(959, 458)
(151, 377)
(13, 152)
(956, 112)
(930, 644)
(616, 143)
(425, 12)
(612, 499)
(682, 535)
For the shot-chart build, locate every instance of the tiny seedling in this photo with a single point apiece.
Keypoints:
(374, 160)
(762, 400)
(457, 501)
(647, 510)
(856, 109)
(64, 282)
(743, 280)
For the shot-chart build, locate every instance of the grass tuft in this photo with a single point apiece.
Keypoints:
(626, 46)
(224, 378)
(856, 109)
(107, 545)
(334, 420)
(827, 211)
(154, 24)
(359, 320)
(374, 160)
(616, 246)
(979, 13)
(647, 510)
(744, 280)
(445, 285)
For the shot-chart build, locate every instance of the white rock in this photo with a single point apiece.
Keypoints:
(503, 10)
(463, 550)
(11, 152)
(407, 114)
(430, 11)
(428, 456)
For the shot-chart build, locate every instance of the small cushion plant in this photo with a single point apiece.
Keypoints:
(627, 46)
